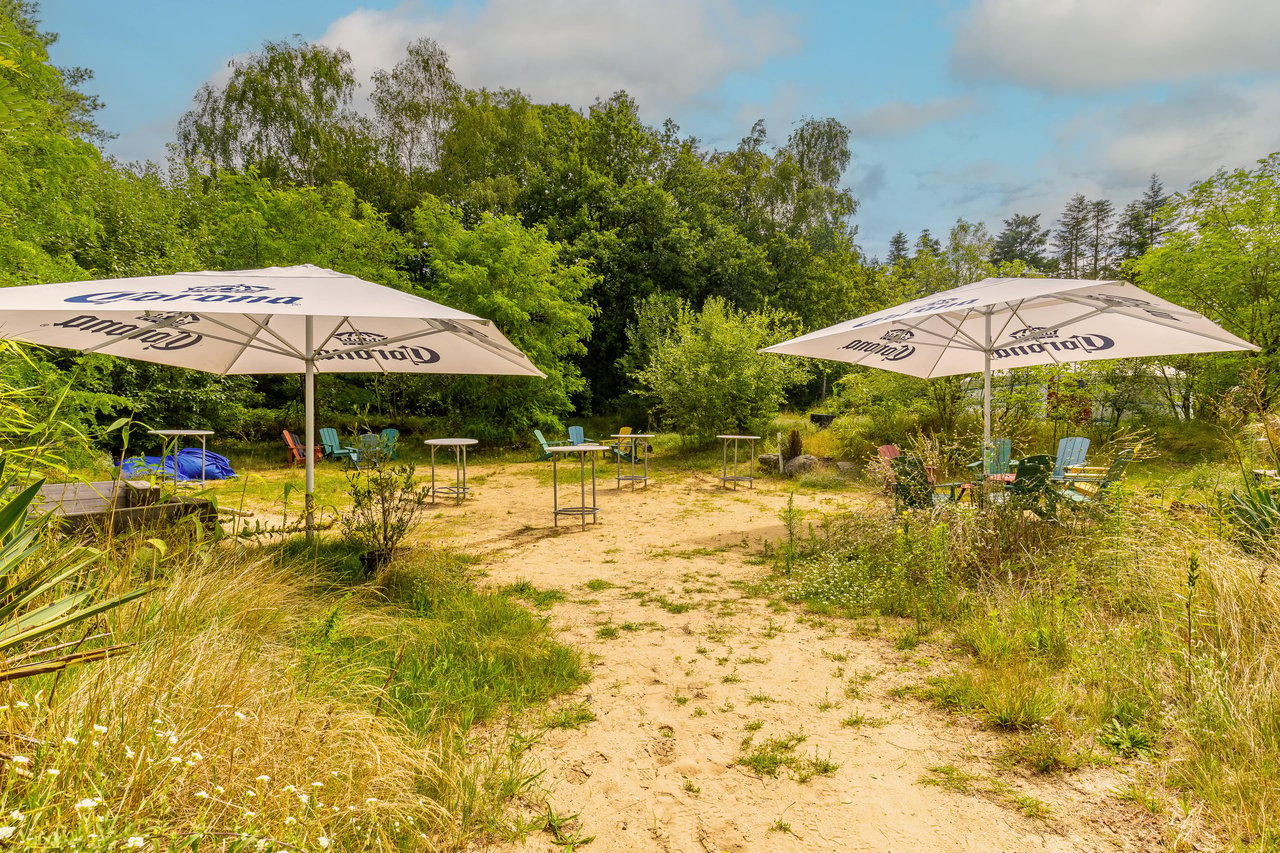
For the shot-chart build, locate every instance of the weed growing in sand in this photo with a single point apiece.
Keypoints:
(780, 825)
(827, 703)
(1140, 794)
(682, 700)
(573, 716)
(855, 721)
(754, 726)
(539, 598)
(565, 831)
(691, 787)
(760, 699)
(699, 712)
(950, 777)
(607, 632)
(731, 678)
(774, 755)
(598, 584)
(752, 659)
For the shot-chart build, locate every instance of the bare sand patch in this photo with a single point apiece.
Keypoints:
(686, 666)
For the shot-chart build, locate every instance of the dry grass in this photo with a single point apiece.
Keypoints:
(234, 719)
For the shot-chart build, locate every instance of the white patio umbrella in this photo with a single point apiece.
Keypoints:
(301, 319)
(1015, 322)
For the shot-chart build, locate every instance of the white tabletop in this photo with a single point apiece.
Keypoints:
(451, 442)
(634, 435)
(576, 448)
(180, 431)
(751, 437)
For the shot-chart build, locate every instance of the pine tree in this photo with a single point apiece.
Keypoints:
(927, 244)
(1101, 212)
(1070, 237)
(1140, 227)
(1022, 240)
(898, 249)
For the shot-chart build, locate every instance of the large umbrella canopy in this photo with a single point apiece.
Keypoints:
(999, 323)
(301, 319)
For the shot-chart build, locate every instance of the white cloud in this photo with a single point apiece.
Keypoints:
(1183, 138)
(666, 53)
(1096, 45)
(899, 117)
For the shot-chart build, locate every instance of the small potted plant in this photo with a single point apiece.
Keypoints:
(385, 503)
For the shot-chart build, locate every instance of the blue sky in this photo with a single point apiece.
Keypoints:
(959, 108)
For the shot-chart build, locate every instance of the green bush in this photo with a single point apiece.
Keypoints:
(708, 377)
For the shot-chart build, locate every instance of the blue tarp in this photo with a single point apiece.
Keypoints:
(187, 464)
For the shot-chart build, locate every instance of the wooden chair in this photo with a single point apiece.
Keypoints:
(295, 449)
(1030, 487)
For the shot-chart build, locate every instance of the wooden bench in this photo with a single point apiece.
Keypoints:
(118, 505)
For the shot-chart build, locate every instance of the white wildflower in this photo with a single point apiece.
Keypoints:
(88, 803)
(263, 778)
(200, 795)
(53, 771)
(136, 841)
(290, 820)
(100, 729)
(20, 759)
(7, 832)
(240, 715)
(323, 842)
(69, 739)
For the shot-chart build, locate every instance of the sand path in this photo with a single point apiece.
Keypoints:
(685, 665)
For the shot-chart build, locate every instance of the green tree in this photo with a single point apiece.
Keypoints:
(524, 282)
(1022, 240)
(708, 377)
(1101, 213)
(1071, 237)
(1141, 225)
(899, 249)
(1221, 257)
(285, 111)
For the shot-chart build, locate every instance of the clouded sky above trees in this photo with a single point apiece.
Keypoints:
(980, 109)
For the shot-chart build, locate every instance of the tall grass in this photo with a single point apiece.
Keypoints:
(1134, 632)
(260, 703)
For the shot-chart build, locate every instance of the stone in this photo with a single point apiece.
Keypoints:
(768, 460)
(800, 465)
(846, 467)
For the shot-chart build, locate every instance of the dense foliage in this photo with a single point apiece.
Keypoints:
(559, 224)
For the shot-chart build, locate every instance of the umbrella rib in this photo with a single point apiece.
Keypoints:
(250, 341)
(162, 324)
(1155, 321)
(957, 327)
(284, 342)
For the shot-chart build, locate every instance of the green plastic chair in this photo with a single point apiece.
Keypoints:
(1100, 479)
(912, 489)
(1071, 454)
(332, 447)
(544, 444)
(1030, 487)
(388, 440)
(995, 459)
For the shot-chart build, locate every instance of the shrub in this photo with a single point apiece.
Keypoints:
(707, 374)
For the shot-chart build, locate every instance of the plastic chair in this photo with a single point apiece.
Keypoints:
(368, 452)
(388, 439)
(544, 444)
(995, 459)
(1071, 454)
(295, 449)
(332, 447)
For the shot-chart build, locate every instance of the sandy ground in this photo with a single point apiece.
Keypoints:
(696, 664)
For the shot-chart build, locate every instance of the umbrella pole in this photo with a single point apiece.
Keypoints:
(986, 395)
(309, 415)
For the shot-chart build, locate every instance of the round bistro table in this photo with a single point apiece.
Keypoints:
(725, 477)
(459, 489)
(643, 449)
(582, 509)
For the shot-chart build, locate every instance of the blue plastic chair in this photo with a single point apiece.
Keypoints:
(1071, 454)
(544, 444)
